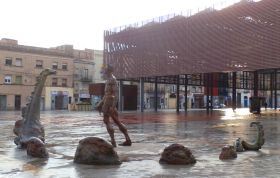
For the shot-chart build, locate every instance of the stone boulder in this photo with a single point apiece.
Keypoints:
(96, 151)
(36, 148)
(177, 154)
(228, 152)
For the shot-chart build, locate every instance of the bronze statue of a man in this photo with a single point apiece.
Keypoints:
(108, 105)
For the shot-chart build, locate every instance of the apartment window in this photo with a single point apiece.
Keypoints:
(54, 65)
(8, 61)
(64, 82)
(8, 79)
(39, 64)
(173, 89)
(18, 80)
(18, 62)
(86, 73)
(64, 66)
(54, 81)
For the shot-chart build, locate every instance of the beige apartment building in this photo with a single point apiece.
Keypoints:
(20, 66)
(83, 74)
(98, 62)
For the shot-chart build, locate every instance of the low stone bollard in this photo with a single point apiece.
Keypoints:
(96, 151)
(36, 148)
(228, 152)
(177, 154)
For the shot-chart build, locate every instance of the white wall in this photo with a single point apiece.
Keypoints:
(98, 60)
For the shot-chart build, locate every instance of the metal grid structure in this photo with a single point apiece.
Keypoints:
(242, 37)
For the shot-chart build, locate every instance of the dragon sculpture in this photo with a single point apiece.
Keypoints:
(241, 145)
(230, 151)
(30, 126)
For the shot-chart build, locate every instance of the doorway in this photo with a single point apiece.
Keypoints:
(245, 101)
(59, 102)
(238, 103)
(17, 102)
(3, 102)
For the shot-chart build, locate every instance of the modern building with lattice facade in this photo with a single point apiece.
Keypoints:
(223, 50)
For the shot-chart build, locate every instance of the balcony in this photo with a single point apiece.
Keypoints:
(83, 78)
(86, 79)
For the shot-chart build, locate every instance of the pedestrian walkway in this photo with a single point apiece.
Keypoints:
(204, 134)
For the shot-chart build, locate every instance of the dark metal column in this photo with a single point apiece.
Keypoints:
(156, 94)
(142, 94)
(178, 94)
(233, 91)
(120, 96)
(211, 90)
(275, 89)
(207, 91)
(271, 90)
(256, 83)
(186, 93)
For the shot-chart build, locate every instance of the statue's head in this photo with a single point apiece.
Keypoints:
(47, 72)
(106, 70)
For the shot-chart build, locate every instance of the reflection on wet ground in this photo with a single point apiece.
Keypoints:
(151, 132)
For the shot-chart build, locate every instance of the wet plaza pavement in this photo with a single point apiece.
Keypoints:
(150, 132)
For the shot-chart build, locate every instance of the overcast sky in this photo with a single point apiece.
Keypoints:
(49, 23)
